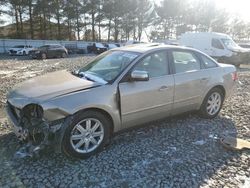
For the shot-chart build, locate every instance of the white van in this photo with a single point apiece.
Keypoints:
(217, 45)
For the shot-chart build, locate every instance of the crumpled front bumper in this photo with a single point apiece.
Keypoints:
(15, 53)
(13, 118)
(54, 131)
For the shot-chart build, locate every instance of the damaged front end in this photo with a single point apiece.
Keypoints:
(31, 128)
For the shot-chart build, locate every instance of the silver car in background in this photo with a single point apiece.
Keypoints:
(77, 112)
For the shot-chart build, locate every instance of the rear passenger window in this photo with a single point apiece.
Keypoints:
(217, 44)
(155, 64)
(208, 62)
(185, 62)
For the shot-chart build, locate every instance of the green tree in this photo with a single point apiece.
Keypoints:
(3, 4)
(92, 8)
(169, 12)
(57, 11)
(239, 29)
(31, 4)
(220, 22)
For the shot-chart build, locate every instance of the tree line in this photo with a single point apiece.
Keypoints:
(118, 20)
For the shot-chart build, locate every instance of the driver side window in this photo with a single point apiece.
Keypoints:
(217, 44)
(155, 64)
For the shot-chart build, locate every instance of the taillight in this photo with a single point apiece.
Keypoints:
(234, 76)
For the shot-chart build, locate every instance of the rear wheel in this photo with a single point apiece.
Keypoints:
(212, 103)
(87, 134)
(63, 55)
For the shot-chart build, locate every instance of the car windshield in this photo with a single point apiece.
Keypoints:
(43, 47)
(108, 66)
(229, 43)
(99, 45)
(20, 46)
(112, 46)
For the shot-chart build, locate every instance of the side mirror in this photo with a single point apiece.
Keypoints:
(139, 76)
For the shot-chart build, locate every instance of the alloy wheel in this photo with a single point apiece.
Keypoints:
(87, 135)
(213, 103)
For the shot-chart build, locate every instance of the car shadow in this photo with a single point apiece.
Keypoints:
(182, 151)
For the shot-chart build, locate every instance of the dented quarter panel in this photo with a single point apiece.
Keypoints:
(220, 76)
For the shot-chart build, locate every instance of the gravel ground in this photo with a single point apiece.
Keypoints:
(181, 151)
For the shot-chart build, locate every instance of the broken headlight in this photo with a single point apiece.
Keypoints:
(32, 111)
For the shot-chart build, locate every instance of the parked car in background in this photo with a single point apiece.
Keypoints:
(217, 45)
(96, 48)
(167, 41)
(71, 48)
(130, 42)
(20, 50)
(49, 51)
(110, 46)
(78, 112)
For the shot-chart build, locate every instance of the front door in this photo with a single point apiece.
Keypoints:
(143, 101)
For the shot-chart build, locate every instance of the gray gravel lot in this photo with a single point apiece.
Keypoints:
(181, 151)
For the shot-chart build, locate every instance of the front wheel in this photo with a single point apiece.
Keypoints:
(86, 135)
(212, 103)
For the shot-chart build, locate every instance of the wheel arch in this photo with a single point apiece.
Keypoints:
(105, 113)
(203, 112)
(219, 86)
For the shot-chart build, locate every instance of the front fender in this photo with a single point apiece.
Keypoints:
(101, 98)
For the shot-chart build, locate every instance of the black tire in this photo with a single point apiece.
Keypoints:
(43, 56)
(24, 53)
(203, 112)
(67, 147)
(63, 55)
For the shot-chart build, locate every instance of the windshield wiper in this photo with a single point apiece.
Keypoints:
(83, 75)
(88, 78)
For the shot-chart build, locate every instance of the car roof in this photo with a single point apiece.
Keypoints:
(143, 48)
(52, 45)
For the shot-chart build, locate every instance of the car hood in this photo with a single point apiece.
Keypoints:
(16, 49)
(48, 86)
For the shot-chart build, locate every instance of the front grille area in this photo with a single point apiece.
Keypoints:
(13, 51)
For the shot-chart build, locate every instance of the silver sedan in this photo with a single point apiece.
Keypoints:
(78, 112)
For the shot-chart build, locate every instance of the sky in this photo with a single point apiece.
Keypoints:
(234, 7)
(240, 8)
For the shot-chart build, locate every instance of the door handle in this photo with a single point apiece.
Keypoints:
(204, 79)
(163, 88)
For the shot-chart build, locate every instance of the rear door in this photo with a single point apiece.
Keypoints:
(58, 50)
(190, 80)
(50, 51)
(143, 101)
